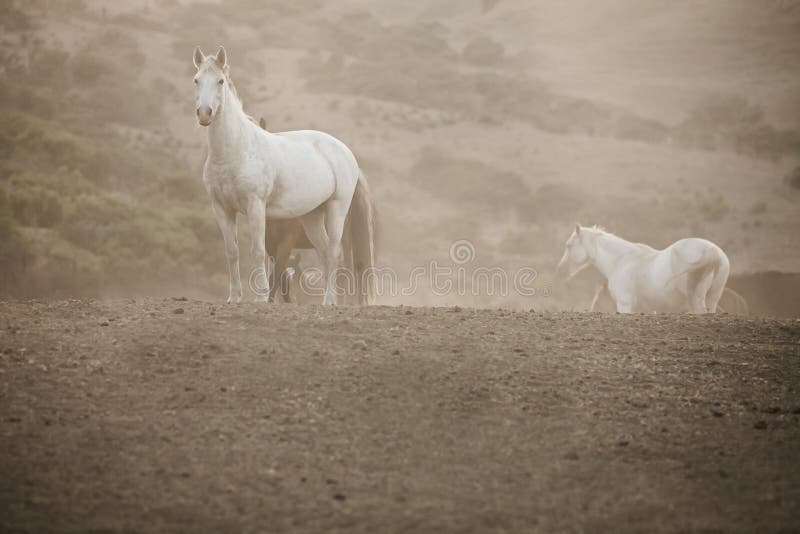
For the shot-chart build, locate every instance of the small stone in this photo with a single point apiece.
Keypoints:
(340, 496)
(717, 413)
(178, 311)
(360, 345)
(456, 309)
(104, 323)
(396, 352)
(571, 456)
(623, 443)
(409, 312)
(760, 425)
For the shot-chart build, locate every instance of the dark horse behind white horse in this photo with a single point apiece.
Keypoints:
(283, 238)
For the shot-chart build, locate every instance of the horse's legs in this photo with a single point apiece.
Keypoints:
(698, 285)
(227, 224)
(335, 215)
(624, 306)
(697, 301)
(256, 215)
(292, 286)
(625, 303)
(603, 302)
(348, 265)
(272, 241)
(314, 226)
(281, 278)
(718, 282)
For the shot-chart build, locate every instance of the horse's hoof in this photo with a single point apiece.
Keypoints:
(261, 298)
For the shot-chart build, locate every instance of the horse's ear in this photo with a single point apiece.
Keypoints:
(222, 57)
(262, 123)
(577, 229)
(199, 57)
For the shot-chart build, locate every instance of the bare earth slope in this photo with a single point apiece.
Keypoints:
(191, 416)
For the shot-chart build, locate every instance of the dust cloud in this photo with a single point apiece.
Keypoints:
(496, 123)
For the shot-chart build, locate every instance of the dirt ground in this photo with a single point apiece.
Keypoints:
(174, 415)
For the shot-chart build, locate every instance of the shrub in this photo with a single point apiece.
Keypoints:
(88, 68)
(731, 122)
(35, 207)
(793, 179)
(714, 208)
(483, 51)
(639, 129)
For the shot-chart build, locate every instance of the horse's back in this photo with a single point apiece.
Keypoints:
(322, 155)
(691, 249)
(330, 147)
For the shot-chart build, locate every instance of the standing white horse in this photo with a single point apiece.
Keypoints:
(689, 275)
(263, 175)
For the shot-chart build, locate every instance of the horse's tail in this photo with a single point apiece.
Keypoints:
(362, 239)
(721, 270)
(733, 303)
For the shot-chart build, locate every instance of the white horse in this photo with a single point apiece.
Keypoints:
(689, 275)
(306, 174)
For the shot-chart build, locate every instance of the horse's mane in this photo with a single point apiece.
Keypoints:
(643, 247)
(227, 73)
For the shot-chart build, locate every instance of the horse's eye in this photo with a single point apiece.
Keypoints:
(195, 81)
(221, 82)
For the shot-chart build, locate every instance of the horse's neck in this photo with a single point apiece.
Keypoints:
(227, 134)
(609, 250)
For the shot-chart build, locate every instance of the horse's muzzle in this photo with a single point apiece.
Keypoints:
(204, 115)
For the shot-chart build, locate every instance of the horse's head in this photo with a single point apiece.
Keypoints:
(576, 254)
(211, 77)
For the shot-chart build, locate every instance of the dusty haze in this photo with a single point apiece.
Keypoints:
(134, 399)
(500, 122)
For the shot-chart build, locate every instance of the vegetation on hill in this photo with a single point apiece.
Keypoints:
(94, 196)
(99, 196)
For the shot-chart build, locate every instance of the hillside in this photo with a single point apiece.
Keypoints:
(499, 122)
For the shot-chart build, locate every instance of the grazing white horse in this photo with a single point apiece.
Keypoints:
(689, 275)
(306, 174)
